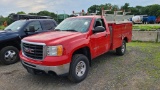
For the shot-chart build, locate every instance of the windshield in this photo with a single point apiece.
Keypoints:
(15, 26)
(74, 24)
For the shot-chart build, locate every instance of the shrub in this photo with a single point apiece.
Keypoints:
(2, 27)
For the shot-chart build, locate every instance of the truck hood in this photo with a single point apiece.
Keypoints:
(51, 36)
(7, 34)
(3, 32)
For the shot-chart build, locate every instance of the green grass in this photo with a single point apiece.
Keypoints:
(2, 27)
(145, 45)
(150, 27)
(152, 60)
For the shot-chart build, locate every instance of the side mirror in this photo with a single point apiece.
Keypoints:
(99, 29)
(31, 29)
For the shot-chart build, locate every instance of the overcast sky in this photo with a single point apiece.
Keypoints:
(61, 6)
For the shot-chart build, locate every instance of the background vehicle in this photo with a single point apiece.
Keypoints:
(139, 19)
(71, 48)
(149, 19)
(145, 19)
(10, 37)
(158, 20)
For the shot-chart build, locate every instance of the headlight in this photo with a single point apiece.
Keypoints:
(55, 50)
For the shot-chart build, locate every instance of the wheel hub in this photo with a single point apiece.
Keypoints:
(10, 55)
(80, 68)
(123, 48)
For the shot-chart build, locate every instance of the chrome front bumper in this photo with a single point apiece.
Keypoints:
(59, 70)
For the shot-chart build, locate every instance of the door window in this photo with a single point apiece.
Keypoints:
(48, 25)
(99, 22)
(36, 25)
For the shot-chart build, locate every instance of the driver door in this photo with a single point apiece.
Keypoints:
(99, 40)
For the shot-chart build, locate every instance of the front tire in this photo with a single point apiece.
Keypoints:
(122, 49)
(79, 68)
(9, 55)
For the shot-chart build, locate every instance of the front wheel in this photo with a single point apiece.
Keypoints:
(122, 49)
(79, 68)
(9, 55)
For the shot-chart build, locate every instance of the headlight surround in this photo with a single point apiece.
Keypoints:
(55, 50)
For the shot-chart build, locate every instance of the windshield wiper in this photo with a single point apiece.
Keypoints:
(57, 30)
(71, 30)
(8, 29)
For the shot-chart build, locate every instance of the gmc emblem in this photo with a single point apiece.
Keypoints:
(28, 50)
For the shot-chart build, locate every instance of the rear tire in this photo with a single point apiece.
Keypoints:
(79, 68)
(122, 49)
(9, 55)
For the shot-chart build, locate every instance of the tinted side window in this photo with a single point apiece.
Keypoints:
(48, 25)
(36, 25)
(99, 22)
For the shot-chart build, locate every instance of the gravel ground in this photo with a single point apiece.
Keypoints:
(138, 69)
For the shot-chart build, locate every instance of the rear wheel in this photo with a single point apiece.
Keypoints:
(79, 68)
(122, 49)
(9, 55)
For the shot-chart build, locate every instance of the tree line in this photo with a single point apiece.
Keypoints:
(151, 10)
(41, 13)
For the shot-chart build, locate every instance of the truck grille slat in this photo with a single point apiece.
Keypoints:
(33, 51)
(37, 55)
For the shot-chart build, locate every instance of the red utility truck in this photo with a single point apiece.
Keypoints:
(158, 20)
(72, 46)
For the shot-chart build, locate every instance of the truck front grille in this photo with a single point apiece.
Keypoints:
(33, 50)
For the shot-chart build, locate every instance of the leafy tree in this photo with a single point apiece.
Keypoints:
(134, 11)
(153, 9)
(10, 15)
(138, 10)
(47, 13)
(21, 12)
(92, 9)
(44, 13)
(32, 13)
(158, 13)
(145, 10)
(98, 8)
(53, 15)
(9, 21)
(1, 20)
(114, 7)
(125, 7)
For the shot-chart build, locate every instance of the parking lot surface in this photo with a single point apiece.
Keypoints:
(138, 69)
